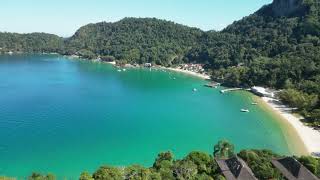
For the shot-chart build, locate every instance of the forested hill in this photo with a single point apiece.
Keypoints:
(277, 46)
(282, 50)
(135, 40)
(33, 42)
(289, 44)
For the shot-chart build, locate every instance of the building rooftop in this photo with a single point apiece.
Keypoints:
(293, 169)
(261, 91)
(235, 169)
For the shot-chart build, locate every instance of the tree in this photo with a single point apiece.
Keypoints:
(85, 176)
(205, 163)
(223, 149)
(185, 170)
(163, 164)
(298, 99)
(137, 172)
(38, 176)
(108, 173)
(164, 160)
(311, 163)
(260, 163)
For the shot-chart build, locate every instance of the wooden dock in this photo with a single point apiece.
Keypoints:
(231, 89)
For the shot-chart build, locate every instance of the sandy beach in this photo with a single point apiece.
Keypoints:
(202, 76)
(110, 62)
(303, 139)
(307, 135)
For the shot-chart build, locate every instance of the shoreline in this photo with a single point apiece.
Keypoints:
(202, 76)
(191, 73)
(302, 139)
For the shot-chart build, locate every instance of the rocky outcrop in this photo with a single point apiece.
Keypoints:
(286, 7)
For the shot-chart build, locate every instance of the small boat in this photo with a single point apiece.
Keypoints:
(254, 103)
(245, 110)
(195, 90)
(119, 70)
(123, 69)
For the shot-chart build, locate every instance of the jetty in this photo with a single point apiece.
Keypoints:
(213, 85)
(230, 89)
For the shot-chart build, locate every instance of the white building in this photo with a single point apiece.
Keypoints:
(261, 91)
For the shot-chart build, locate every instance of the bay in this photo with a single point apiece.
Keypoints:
(68, 116)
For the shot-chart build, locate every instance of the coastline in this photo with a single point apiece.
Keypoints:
(302, 139)
(202, 76)
(191, 73)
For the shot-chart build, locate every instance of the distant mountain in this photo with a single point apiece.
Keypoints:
(288, 40)
(277, 46)
(287, 8)
(34, 42)
(135, 40)
(280, 47)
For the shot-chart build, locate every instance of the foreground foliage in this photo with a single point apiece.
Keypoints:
(196, 165)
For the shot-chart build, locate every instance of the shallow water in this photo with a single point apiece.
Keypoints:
(66, 116)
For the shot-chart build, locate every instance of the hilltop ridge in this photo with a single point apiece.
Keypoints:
(278, 46)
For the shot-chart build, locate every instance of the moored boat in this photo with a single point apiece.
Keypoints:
(245, 110)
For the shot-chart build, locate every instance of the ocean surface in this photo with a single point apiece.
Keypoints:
(68, 116)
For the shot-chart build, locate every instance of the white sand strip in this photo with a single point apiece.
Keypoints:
(202, 76)
(309, 136)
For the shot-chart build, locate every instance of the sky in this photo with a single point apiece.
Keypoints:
(64, 17)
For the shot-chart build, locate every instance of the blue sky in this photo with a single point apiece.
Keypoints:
(64, 17)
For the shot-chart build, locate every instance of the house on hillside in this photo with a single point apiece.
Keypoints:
(293, 169)
(235, 169)
(149, 65)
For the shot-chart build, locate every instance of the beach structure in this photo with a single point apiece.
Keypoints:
(235, 169)
(293, 169)
(263, 92)
(213, 85)
(149, 65)
(231, 89)
(196, 68)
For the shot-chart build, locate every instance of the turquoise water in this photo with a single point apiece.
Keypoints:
(66, 116)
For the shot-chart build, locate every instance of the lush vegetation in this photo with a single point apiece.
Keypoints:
(276, 47)
(135, 40)
(196, 165)
(30, 43)
(260, 163)
(312, 164)
(281, 52)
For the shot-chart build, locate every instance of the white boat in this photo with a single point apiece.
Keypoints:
(123, 69)
(195, 90)
(245, 110)
(254, 103)
(119, 70)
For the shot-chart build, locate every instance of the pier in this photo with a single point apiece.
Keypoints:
(231, 89)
